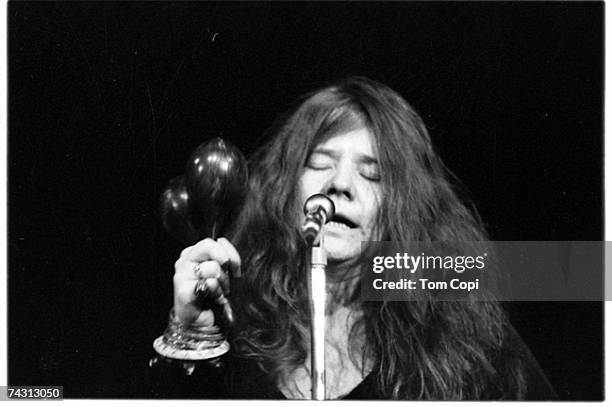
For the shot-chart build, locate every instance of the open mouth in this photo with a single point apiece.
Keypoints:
(341, 221)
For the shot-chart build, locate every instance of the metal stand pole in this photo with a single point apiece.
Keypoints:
(317, 312)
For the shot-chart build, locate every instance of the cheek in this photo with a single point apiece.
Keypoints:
(306, 189)
(372, 205)
(309, 184)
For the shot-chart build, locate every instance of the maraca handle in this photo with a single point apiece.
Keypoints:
(213, 230)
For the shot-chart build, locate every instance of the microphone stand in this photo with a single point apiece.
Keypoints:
(318, 208)
(316, 285)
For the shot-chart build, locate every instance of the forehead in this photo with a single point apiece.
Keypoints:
(358, 141)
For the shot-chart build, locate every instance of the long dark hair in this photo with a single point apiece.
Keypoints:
(424, 349)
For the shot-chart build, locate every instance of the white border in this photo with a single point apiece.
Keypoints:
(607, 197)
(200, 403)
(3, 193)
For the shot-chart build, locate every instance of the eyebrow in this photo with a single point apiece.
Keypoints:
(363, 158)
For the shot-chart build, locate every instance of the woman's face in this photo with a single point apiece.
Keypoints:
(345, 167)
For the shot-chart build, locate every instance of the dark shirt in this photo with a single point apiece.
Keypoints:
(240, 378)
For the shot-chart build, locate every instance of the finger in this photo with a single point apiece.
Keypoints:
(209, 291)
(214, 287)
(184, 295)
(182, 266)
(225, 283)
(208, 269)
(189, 312)
(212, 269)
(185, 270)
(227, 310)
(185, 251)
(207, 249)
(234, 257)
(205, 318)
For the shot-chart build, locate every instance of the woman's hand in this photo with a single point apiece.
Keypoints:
(203, 267)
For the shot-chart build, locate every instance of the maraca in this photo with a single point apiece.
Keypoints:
(200, 205)
(194, 207)
(174, 208)
(216, 180)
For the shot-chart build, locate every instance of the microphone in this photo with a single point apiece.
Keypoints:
(319, 209)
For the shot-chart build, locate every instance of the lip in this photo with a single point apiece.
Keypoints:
(333, 228)
(337, 225)
(342, 218)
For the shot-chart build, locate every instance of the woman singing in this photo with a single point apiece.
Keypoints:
(363, 145)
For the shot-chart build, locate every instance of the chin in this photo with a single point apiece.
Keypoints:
(339, 251)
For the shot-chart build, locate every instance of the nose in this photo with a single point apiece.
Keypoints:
(340, 185)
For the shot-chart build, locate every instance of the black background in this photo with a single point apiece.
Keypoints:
(107, 100)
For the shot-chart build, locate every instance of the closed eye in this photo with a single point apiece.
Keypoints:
(317, 166)
(318, 161)
(370, 172)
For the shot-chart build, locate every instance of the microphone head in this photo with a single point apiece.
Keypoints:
(319, 208)
(317, 202)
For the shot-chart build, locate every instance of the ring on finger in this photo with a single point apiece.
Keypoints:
(202, 290)
(196, 269)
(206, 294)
